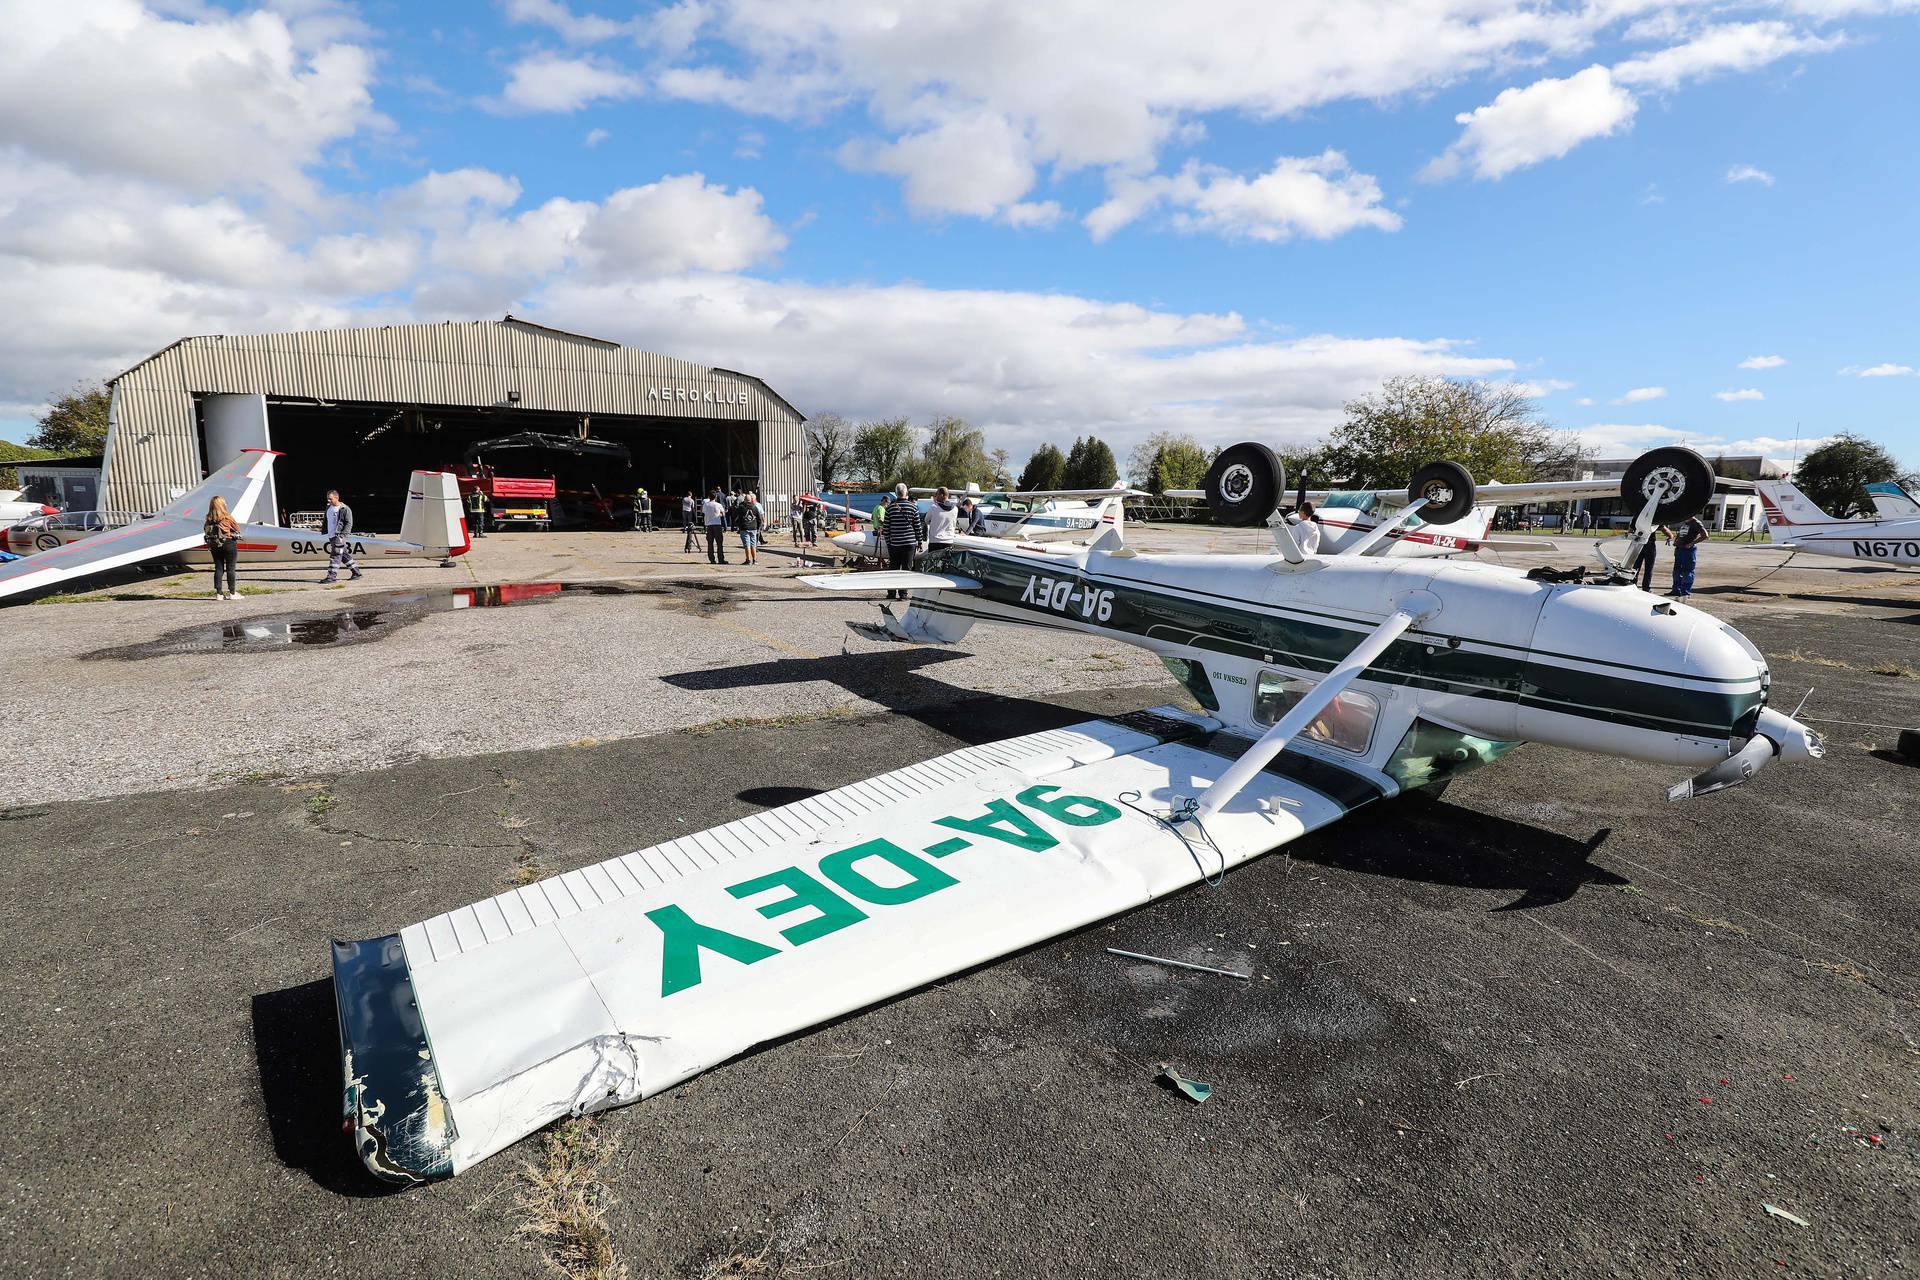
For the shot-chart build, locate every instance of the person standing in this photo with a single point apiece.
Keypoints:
(642, 510)
(795, 517)
(904, 533)
(223, 540)
(688, 510)
(942, 521)
(339, 530)
(810, 517)
(1686, 554)
(715, 512)
(1650, 555)
(749, 521)
(476, 512)
(879, 527)
(1305, 530)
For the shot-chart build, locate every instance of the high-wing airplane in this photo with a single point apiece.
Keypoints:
(1795, 521)
(1328, 682)
(77, 544)
(1034, 515)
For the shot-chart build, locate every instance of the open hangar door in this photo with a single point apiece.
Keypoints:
(367, 450)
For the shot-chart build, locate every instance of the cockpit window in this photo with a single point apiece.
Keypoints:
(1347, 723)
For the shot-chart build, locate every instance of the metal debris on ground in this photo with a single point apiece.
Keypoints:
(1196, 1090)
(1776, 1211)
(1181, 964)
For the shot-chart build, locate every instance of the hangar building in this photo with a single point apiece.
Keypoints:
(358, 409)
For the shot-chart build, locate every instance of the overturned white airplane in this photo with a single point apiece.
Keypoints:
(1329, 682)
(74, 545)
(1035, 515)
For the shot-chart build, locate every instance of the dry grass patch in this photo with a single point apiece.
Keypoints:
(769, 722)
(1815, 660)
(1896, 670)
(566, 1205)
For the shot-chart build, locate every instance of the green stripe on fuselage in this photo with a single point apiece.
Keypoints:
(1269, 636)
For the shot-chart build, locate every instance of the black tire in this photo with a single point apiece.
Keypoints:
(1675, 464)
(1447, 486)
(1244, 484)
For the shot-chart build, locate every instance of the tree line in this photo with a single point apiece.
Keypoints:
(947, 451)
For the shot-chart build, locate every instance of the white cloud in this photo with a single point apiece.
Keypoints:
(1026, 365)
(1747, 173)
(1537, 387)
(564, 22)
(1744, 393)
(1315, 196)
(557, 82)
(1640, 395)
(1888, 370)
(1584, 401)
(1543, 121)
(973, 164)
(1741, 46)
(1762, 362)
(1030, 214)
(218, 102)
(595, 137)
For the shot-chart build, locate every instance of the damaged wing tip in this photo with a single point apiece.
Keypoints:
(396, 1111)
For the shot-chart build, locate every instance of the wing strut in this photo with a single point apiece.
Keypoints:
(1415, 607)
(1385, 529)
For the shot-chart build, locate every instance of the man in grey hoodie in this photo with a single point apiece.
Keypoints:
(339, 531)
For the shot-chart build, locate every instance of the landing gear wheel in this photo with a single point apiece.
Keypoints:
(1244, 484)
(1682, 473)
(1448, 489)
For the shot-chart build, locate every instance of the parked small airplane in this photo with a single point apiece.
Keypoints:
(14, 508)
(1795, 521)
(1035, 515)
(1329, 682)
(75, 544)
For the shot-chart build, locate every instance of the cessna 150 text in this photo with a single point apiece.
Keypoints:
(1329, 682)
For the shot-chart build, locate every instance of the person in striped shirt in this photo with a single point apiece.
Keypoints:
(904, 533)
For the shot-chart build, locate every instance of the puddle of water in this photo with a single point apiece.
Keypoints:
(374, 616)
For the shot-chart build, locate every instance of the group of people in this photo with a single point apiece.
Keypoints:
(719, 512)
(222, 533)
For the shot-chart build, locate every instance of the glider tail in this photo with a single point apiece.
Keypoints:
(434, 518)
(1787, 508)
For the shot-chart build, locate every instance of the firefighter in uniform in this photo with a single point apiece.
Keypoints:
(477, 513)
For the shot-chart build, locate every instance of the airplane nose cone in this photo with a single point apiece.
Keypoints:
(1655, 674)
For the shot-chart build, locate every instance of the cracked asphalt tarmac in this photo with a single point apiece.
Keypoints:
(1549, 1025)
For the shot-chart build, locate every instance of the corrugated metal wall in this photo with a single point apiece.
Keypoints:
(153, 449)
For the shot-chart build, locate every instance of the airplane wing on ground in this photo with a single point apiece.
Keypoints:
(606, 985)
(176, 527)
(891, 580)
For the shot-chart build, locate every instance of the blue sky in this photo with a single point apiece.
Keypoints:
(1222, 218)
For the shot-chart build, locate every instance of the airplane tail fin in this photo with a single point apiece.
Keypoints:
(1111, 533)
(1787, 507)
(434, 518)
(239, 482)
(1892, 502)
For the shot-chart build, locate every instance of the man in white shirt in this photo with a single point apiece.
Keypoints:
(1305, 529)
(715, 512)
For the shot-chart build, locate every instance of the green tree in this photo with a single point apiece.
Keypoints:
(954, 454)
(11, 453)
(1044, 470)
(1177, 462)
(1492, 429)
(1076, 463)
(881, 450)
(1836, 475)
(1091, 465)
(1002, 468)
(830, 440)
(76, 423)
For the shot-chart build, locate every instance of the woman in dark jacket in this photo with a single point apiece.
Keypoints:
(223, 540)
